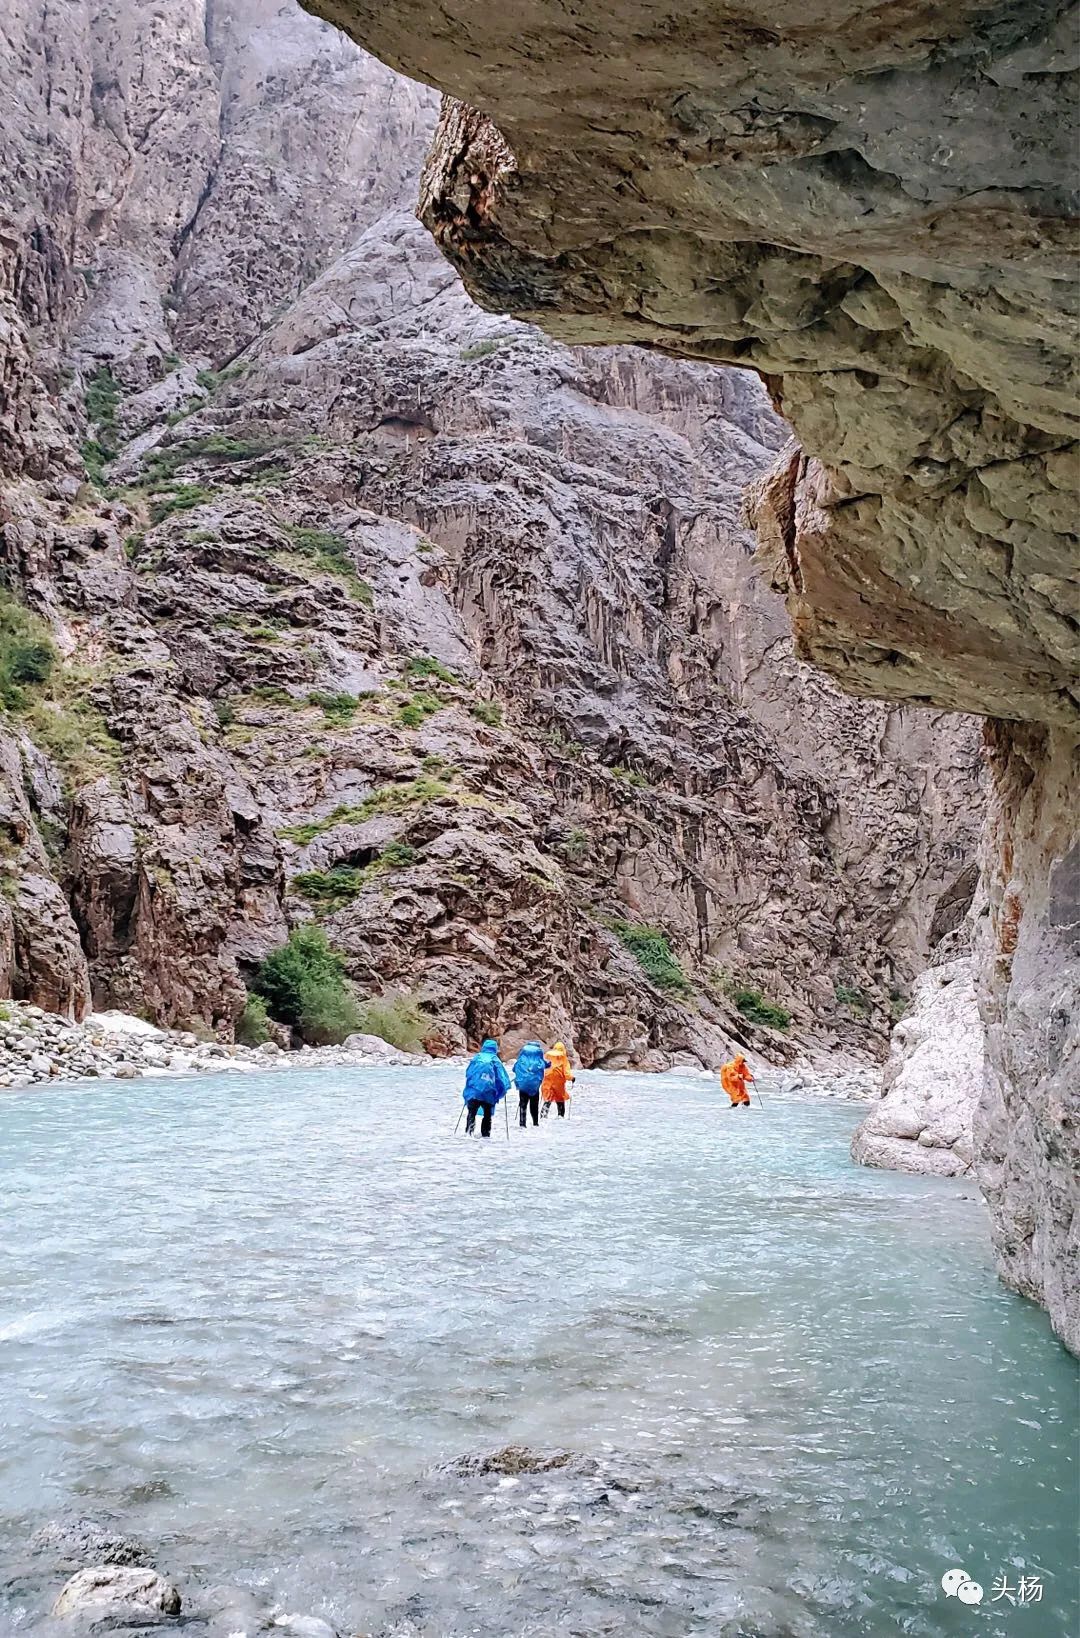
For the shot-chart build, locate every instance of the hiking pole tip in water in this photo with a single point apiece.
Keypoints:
(457, 1123)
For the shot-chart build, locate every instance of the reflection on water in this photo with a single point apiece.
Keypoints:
(248, 1317)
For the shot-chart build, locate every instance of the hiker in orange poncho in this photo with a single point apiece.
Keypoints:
(558, 1078)
(735, 1076)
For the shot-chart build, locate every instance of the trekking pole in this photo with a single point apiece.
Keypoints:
(506, 1112)
(461, 1111)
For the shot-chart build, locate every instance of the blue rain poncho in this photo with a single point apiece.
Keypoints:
(486, 1078)
(529, 1068)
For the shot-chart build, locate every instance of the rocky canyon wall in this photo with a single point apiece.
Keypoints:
(374, 609)
(876, 211)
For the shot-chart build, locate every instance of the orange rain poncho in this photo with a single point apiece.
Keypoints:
(735, 1076)
(558, 1076)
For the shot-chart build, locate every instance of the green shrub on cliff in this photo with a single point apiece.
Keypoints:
(251, 1027)
(331, 553)
(27, 652)
(332, 888)
(853, 999)
(759, 1010)
(398, 1019)
(387, 799)
(303, 984)
(653, 954)
(426, 665)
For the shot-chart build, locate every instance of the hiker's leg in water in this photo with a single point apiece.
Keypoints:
(523, 1104)
(562, 1109)
(534, 1109)
(485, 1124)
(470, 1119)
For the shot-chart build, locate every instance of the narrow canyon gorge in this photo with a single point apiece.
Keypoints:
(457, 585)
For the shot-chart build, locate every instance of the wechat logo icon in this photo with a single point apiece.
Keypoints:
(958, 1584)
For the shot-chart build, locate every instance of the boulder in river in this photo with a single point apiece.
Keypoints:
(513, 1460)
(72, 1543)
(115, 1593)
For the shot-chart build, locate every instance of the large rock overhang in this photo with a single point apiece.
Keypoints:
(869, 206)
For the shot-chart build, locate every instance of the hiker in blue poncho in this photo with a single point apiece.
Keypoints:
(528, 1078)
(486, 1082)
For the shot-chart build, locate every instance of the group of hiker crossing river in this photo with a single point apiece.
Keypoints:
(543, 1076)
(537, 1075)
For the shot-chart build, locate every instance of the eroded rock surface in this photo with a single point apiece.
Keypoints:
(932, 1081)
(402, 616)
(876, 213)
(1027, 1124)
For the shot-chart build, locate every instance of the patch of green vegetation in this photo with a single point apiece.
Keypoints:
(95, 458)
(100, 401)
(564, 745)
(338, 709)
(303, 984)
(575, 846)
(271, 477)
(330, 553)
(27, 653)
(74, 733)
(181, 498)
(759, 1010)
(251, 1027)
(629, 776)
(133, 545)
(330, 889)
(338, 886)
(426, 665)
(481, 349)
(398, 856)
(488, 712)
(847, 995)
(211, 380)
(264, 634)
(274, 694)
(225, 711)
(653, 953)
(387, 799)
(172, 360)
(898, 1005)
(426, 546)
(438, 766)
(416, 708)
(398, 1019)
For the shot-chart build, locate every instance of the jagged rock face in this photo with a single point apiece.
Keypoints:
(162, 190)
(875, 214)
(559, 532)
(1027, 1124)
(932, 1081)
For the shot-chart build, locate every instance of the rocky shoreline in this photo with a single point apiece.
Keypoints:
(38, 1047)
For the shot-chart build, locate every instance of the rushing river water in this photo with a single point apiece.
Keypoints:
(247, 1317)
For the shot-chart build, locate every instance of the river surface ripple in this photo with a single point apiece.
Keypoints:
(247, 1316)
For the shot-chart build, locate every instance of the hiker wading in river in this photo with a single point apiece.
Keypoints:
(529, 1069)
(558, 1079)
(486, 1082)
(735, 1077)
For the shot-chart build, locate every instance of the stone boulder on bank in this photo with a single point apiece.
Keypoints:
(932, 1081)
